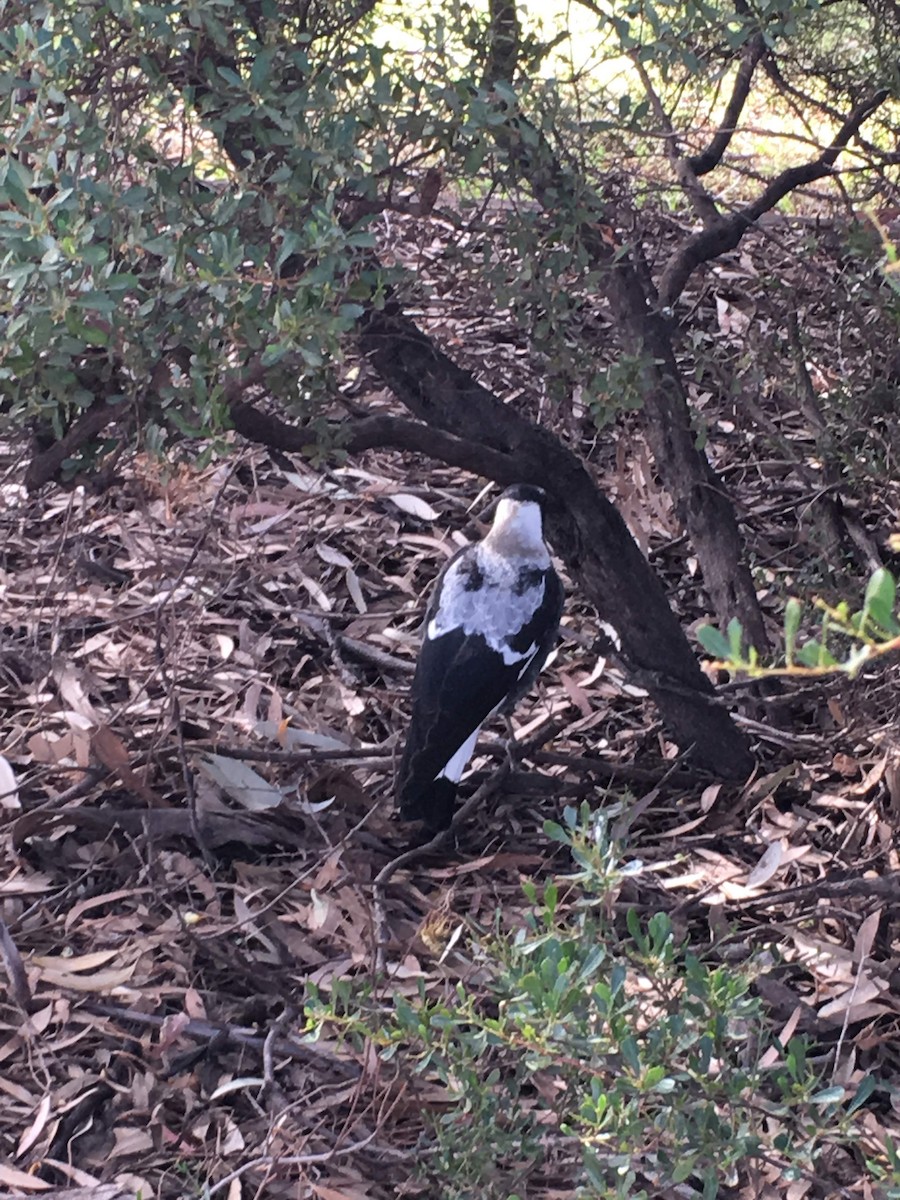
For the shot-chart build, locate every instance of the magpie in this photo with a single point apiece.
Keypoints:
(489, 628)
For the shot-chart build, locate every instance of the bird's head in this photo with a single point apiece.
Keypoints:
(517, 530)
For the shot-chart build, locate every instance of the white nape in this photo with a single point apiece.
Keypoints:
(517, 529)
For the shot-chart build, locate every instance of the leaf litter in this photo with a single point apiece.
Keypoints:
(167, 932)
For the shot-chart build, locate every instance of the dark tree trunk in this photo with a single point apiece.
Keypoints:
(701, 502)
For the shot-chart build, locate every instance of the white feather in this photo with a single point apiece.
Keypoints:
(494, 610)
(517, 531)
(457, 764)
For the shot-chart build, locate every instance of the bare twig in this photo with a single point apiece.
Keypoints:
(488, 788)
(289, 1160)
(15, 968)
(882, 887)
(378, 658)
(207, 1031)
(270, 1045)
(701, 201)
(710, 158)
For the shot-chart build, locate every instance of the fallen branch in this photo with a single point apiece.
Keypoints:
(207, 1031)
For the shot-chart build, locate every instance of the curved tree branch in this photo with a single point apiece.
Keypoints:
(701, 201)
(710, 243)
(46, 464)
(585, 528)
(710, 158)
(368, 433)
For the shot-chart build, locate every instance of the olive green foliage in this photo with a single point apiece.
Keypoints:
(845, 640)
(170, 205)
(191, 192)
(603, 1040)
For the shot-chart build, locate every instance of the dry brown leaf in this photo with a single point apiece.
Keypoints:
(865, 938)
(766, 785)
(100, 901)
(324, 915)
(334, 558)
(317, 592)
(73, 963)
(99, 981)
(131, 1140)
(36, 1128)
(109, 749)
(332, 1193)
(856, 1002)
(415, 506)
(22, 1180)
(709, 796)
(767, 866)
(241, 782)
(225, 644)
(576, 694)
(69, 680)
(355, 590)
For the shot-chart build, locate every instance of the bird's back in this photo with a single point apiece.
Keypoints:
(490, 625)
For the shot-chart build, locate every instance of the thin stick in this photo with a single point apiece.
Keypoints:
(290, 1160)
(206, 1031)
(15, 968)
(488, 788)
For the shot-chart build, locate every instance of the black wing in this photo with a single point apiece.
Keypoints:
(460, 680)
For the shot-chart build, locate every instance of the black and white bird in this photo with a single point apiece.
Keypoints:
(490, 626)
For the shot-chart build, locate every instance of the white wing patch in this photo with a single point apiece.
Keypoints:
(457, 763)
(527, 657)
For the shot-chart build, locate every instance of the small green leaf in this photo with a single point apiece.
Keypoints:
(808, 654)
(683, 1170)
(881, 594)
(261, 69)
(792, 614)
(863, 1092)
(714, 642)
(555, 832)
(736, 639)
(831, 1095)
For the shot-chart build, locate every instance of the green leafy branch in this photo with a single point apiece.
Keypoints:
(845, 640)
(651, 1065)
